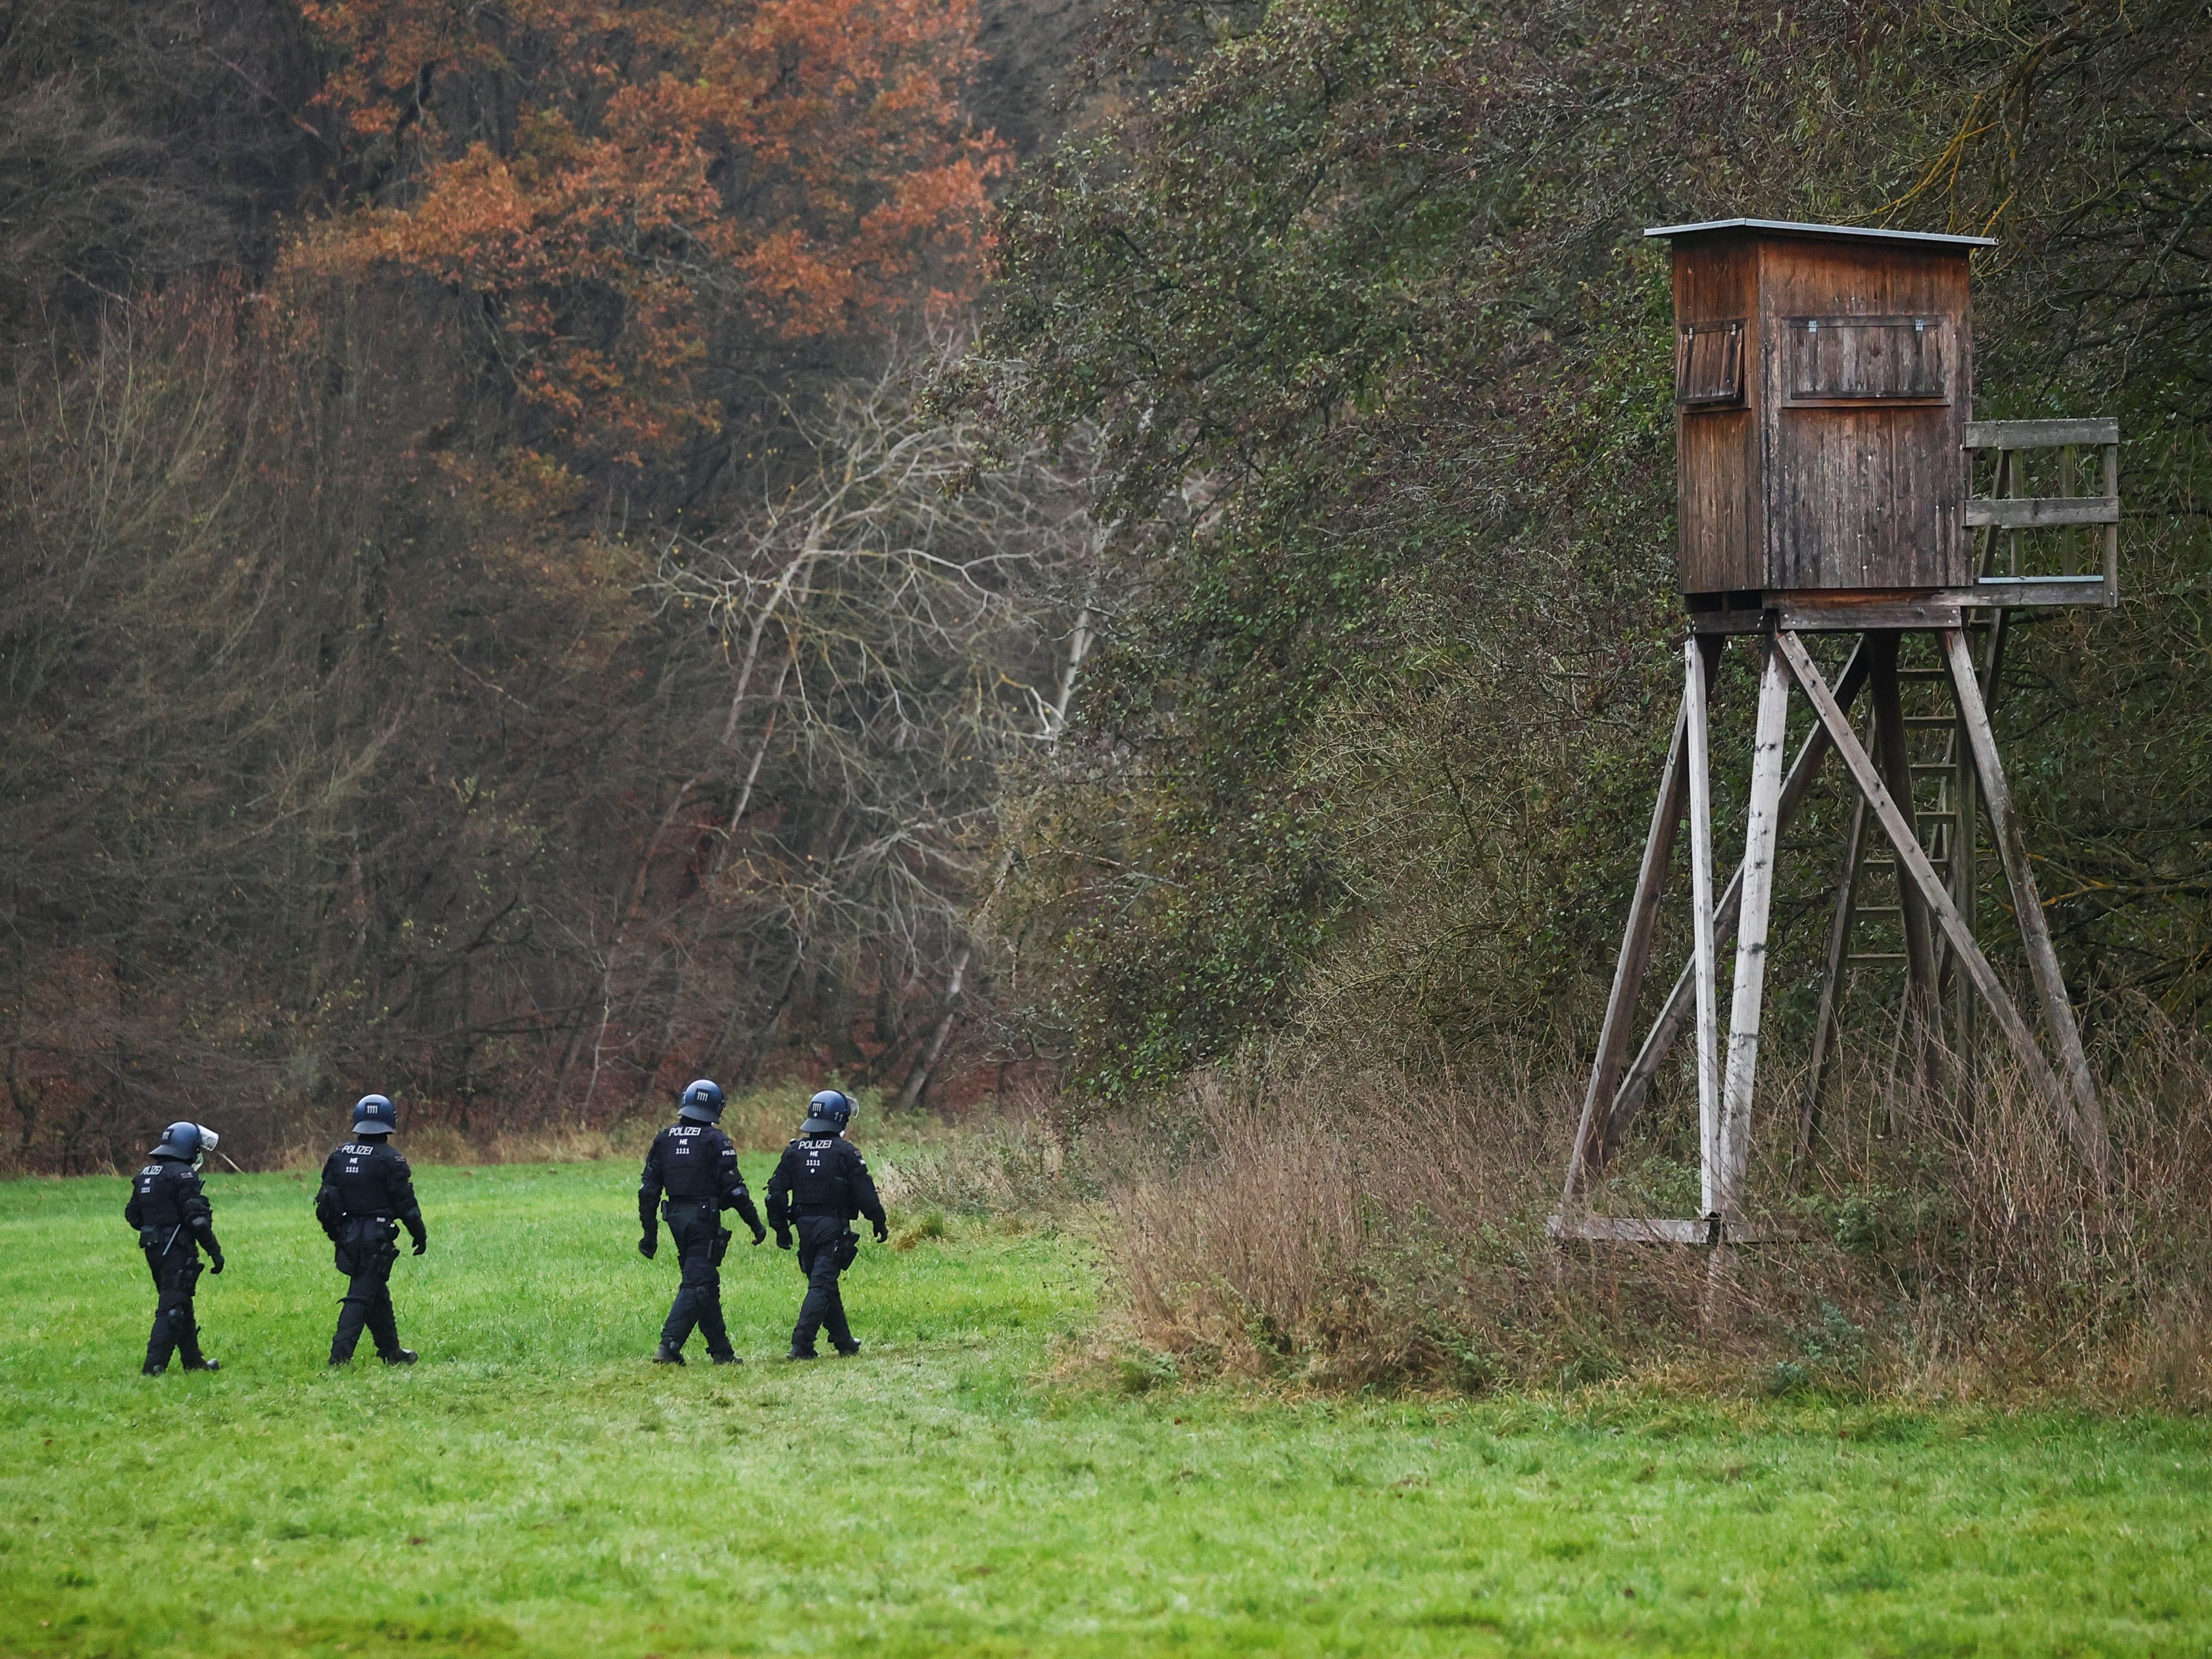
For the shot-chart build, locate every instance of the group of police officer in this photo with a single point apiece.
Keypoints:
(820, 1187)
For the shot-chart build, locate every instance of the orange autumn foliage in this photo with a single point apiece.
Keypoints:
(635, 190)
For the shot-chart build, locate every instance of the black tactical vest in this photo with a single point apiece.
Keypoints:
(160, 1188)
(691, 1160)
(818, 1175)
(362, 1173)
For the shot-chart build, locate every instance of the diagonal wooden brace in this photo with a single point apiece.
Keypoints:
(2012, 849)
(1832, 980)
(1635, 957)
(1636, 1084)
(1914, 861)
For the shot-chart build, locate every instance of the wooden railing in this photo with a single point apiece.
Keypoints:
(2011, 512)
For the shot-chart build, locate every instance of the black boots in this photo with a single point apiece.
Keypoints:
(664, 1355)
(398, 1357)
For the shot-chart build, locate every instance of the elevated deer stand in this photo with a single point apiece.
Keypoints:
(1822, 384)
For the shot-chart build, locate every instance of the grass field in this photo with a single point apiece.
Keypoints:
(533, 1486)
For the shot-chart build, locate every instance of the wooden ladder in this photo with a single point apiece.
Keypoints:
(1950, 829)
(1949, 834)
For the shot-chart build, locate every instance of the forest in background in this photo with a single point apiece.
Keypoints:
(483, 614)
(1380, 366)
(550, 549)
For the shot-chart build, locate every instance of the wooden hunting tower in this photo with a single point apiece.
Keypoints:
(1822, 378)
(1827, 463)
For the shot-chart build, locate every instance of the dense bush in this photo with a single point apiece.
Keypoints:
(1382, 1230)
(1360, 304)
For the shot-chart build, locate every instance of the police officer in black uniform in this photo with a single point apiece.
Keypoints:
(820, 1185)
(175, 1222)
(368, 1194)
(694, 1165)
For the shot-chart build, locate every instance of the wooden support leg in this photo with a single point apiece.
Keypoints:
(1969, 883)
(1701, 922)
(2035, 929)
(1966, 880)
(1896, 762)
(1761, 831)
(1636, 1087)
(1902, 835)
(1832, 981)
(1591, 1150)
(1993, 658)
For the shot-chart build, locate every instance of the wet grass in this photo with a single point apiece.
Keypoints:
(533, 1486)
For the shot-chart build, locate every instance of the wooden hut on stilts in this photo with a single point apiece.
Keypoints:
(1828, 462)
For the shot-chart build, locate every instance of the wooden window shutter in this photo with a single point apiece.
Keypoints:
(1709, 364)
(1868, 360)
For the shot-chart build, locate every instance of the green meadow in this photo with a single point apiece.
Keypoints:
(534, 1487)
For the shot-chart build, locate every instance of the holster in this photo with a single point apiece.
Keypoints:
(362, 1243)
(722, 1236)
(846, 1249)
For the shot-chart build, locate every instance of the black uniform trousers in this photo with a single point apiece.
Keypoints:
(176, 1327)
(696, 1226)
(826, 1247)
(367, 1250)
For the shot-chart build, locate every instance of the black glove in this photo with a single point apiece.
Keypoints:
(883, 1232)
(648, 1247)
(215, 1261)
(782, 1238)
(422, 1242)
(759, 1232)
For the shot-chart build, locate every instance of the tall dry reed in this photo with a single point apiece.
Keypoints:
(1373, 1229)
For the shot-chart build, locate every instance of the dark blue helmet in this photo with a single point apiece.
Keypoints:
(702, 1101)
(827, 1112)
(179, 1141)
(374, 1114)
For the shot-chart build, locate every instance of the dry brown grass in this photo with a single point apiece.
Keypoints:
(762, 1120)
(439, 1143)
(1004, 1167)
(1373, 1231)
